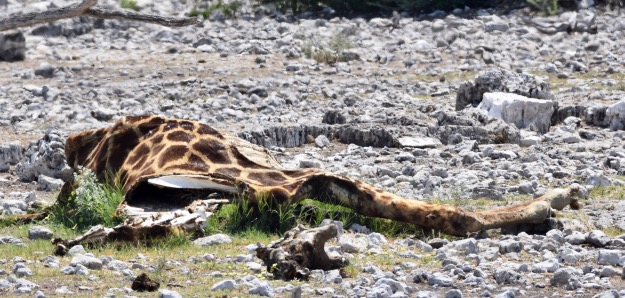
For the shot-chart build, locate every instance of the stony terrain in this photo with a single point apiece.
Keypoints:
(393, 114)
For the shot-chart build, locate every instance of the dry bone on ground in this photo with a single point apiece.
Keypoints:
(424, 111)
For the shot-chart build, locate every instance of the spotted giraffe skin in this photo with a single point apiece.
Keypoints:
(138, 149)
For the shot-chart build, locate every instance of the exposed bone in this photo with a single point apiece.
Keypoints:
(190, 182)
(146, 226)
(299, 251)
(86, 8)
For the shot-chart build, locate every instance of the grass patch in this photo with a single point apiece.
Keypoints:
(128, 4)
(613, 192)
(613, 231)
(92, 203)
(229, 9)
(266, 219)
(329, 52)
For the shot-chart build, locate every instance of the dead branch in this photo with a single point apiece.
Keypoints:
(102, 13)
(299, 251)
(34, 18)
(86, 7)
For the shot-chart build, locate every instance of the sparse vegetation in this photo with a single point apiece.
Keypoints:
(128, 4)
(264, 219)
(229, 9)
(613, 192)
(90, 204)
(545, 7)
(329, 52)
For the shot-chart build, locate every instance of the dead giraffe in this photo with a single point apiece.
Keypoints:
(155, 158)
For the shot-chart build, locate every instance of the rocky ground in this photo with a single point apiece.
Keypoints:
(397, 113)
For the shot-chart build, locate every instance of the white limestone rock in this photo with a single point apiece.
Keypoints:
(524, 112)
(615, 115)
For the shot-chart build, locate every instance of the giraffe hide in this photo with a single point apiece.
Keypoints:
(182, 166)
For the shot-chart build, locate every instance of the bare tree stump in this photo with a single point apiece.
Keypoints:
(12, 47)
(299, 251)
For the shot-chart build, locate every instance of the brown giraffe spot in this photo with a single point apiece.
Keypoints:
(212, 149)
(149, 126)
(157, 139)
(232, 172)
(140, 163)
(179, 136)
(204, 129)
(267, 178)
(243, 161)
(158, 148)
(172, 153)
(138, 153)
(169, 126)
(187, 125)
(198, 163)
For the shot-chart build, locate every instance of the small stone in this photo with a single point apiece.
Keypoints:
(598, 238)
(262, 289)
(164, 293)
(322, 141)
(117, 265)
(45, 70)
(20, 270)
(212, 240)
(608, 271)
(438, 279)
(87, 261)
(437, 243)
(48, 183)
(509, 245)
(81, 270)
(422, 142)
(575, 238)
(23, 290)
(608, 294)
(609, 257)
(76, 249)
(64, 290)
(455, 293)
(224, 285)
(565, 277)
(39, 232)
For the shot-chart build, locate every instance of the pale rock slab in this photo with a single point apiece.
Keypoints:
(524, 112)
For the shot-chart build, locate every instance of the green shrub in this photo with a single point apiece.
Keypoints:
(128, 4)
(346, 7)
(546, 7)
(92, 203)
(229, 9)
(327, 52)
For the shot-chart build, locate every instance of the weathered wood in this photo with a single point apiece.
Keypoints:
(102, 13)
(299, 251)
(35, 18)
(86, 7)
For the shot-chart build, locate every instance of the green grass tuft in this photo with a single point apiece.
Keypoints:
(229, 9)
(92, 203)
(327, 52)
(128, 4)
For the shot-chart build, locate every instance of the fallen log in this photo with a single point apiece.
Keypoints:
(86, 7)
